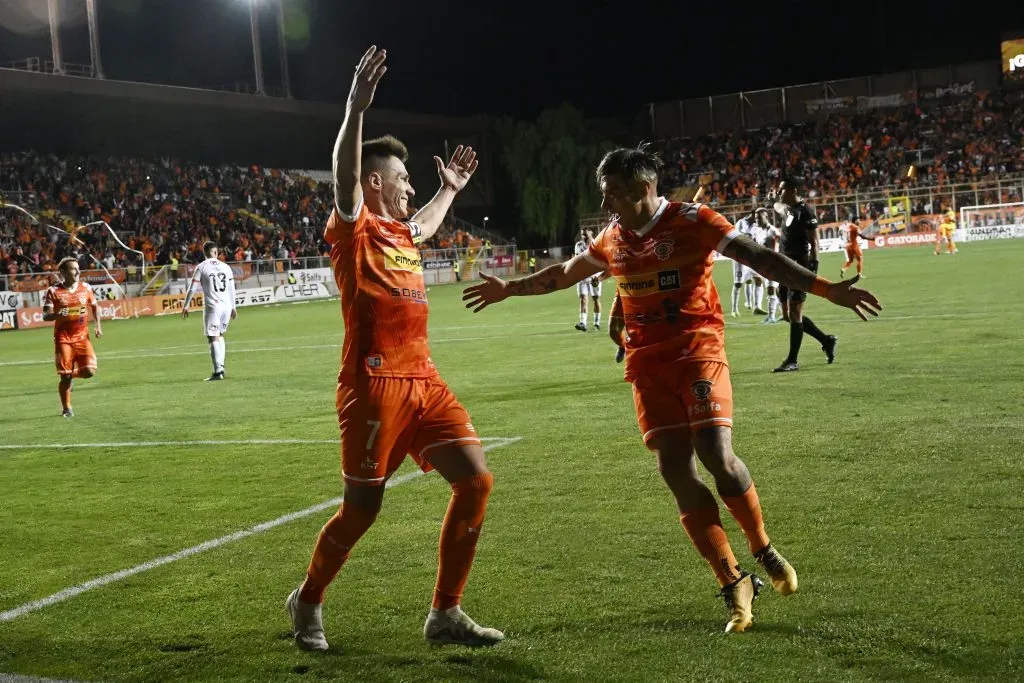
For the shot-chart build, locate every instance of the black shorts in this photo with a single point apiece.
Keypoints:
(792, 295)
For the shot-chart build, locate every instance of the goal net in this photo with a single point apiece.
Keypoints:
(991, 221)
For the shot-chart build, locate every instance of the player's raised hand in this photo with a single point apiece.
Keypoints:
(860, 300)
(459, 170)
(490, 291)
(368, 74)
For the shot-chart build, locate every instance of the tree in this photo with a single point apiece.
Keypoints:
(550, 165)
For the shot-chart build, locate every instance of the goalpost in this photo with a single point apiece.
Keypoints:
(991, 222)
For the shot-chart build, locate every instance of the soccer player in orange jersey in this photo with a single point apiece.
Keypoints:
(853, 251)
(391, 401)
(660, 253)
(68, 305)
(944, 234)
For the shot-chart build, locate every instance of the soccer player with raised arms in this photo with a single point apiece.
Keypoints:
(661, 256)
(391, 401)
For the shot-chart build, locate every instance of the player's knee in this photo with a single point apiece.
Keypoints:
(737, 285)
(86, 373)
(367, 500)
(477, 487)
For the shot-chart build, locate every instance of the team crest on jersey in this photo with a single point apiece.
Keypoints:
(662, 249)
(701, 389)
(374, 362)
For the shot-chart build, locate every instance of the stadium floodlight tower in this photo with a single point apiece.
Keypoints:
(94, 39)
(257, 57)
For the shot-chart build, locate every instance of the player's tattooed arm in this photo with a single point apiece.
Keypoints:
(788, 273)
(550, 279)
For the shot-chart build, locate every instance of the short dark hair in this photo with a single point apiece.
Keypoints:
(633, 164)
(792, 182)
(209, 246)
(66, 260)
(384, 147)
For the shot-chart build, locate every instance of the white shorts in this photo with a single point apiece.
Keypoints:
(215, 320)
(742, 273)
(584, 288)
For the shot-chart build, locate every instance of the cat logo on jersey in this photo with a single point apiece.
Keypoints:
(403, 259)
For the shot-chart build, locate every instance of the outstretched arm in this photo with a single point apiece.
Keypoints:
(454, 177)
(551, 279)
(95, 306)
(789, 273)
(348, 147)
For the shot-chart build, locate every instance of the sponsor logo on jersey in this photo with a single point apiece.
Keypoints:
(403, 259)
(648, 283)
(417, 295)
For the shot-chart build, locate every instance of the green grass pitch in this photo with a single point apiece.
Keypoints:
(892, 480)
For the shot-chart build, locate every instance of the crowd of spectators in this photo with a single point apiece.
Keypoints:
(950, 142)
(164, 209)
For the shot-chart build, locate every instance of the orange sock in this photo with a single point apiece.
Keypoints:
(64, 389)
(860, 267)
(704, 527)
(746, 510)
(333, 547)
(459, 535)
(952, 247)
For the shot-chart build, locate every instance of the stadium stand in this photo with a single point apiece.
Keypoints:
(977, 137)
(167, 209)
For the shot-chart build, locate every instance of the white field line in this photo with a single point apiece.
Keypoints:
(201, 442)
(112, 357)
(271, 349)
(107, 579)
(15, 678)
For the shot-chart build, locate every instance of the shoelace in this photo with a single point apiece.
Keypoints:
(771, 561)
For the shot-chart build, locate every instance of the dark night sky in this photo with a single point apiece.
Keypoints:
(517, 57)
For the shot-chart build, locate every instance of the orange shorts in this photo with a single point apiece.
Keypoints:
(68, 355)
(853, 252)
(383, 419)
(691, 395)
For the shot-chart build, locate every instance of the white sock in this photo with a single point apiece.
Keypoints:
(218, 358)
(735, 298)
(748, 291)
(773, 303)
(597, 318)
(758, 295)
(213, 354)
(583, 317)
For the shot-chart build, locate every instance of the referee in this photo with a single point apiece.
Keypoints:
(800, 243)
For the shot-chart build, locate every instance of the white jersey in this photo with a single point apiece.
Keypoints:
(745, 226)
(217, 281)
(580, 248)
(772, 238)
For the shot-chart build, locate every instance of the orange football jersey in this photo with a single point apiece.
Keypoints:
(72, 308)
(383, 299)
(851, 233)
(663, 277)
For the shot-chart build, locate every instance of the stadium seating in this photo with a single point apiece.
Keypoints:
(955, 142)
(165, 209)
